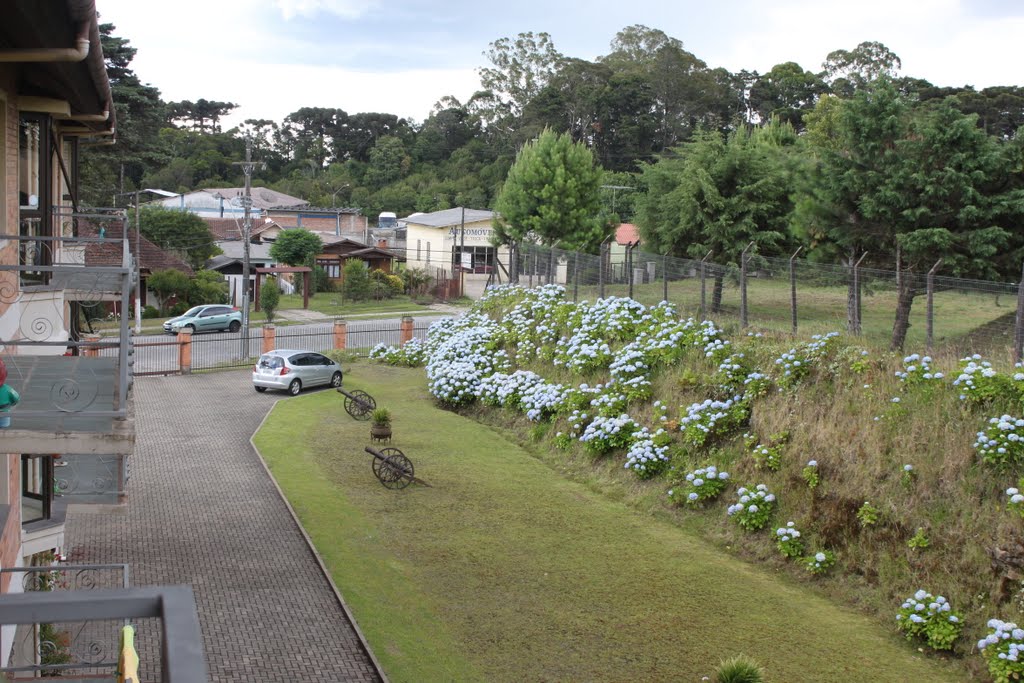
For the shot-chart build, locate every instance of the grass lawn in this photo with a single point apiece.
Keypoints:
(505, 570)
(332, 304)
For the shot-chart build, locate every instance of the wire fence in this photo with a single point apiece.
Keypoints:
(782, 294)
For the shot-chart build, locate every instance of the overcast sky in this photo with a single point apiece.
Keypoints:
(400, 56)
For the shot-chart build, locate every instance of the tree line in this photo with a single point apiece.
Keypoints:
(852, 161)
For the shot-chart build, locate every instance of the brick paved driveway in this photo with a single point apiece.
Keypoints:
(202, 511)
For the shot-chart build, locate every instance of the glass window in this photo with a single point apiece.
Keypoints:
(36, 487)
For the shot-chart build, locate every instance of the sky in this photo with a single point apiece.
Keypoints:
(273, 57)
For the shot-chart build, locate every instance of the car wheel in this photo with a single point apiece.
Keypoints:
(235, 326)
(336, 380)
(261, 389)
(191, 329)
(295, 387)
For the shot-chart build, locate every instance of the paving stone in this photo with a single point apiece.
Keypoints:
(202, 511)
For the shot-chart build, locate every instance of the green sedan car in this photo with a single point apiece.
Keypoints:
(208, 318)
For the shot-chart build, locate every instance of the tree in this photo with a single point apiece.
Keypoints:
(551, 194)
(168, 283)
(296, 247)
(208, 287)
(719, 195)
(356, 284)
(848, 70)
(180, 232)
(270, 297)
(786, 92)
(521, 68)
(201, 116)
(923, 178)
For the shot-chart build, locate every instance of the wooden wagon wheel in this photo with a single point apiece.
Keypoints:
(396, 471)
(385, 453)
(359, 404)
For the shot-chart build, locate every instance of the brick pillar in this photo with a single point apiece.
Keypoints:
(268, 338)
(185, 352)
(405, 331)
(340, 334)
(90, 350)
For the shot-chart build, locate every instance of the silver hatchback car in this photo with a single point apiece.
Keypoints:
(293, 370)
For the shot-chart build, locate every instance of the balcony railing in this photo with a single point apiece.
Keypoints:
(72, 396)
(70, 618)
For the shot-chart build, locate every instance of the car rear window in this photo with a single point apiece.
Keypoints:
(271, 362)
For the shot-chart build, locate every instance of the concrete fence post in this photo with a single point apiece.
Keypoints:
(340, 334)
(185, 352)
(268, 338)
(405, 330)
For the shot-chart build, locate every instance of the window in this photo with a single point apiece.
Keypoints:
(330, 266)
(475, 259)
(34, 194)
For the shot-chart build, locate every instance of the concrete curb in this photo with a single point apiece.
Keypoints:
(316, 555)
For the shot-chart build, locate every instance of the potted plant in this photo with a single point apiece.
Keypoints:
(380, 424)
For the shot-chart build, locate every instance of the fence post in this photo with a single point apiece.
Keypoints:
(743, 286)
(931, 294)
(664, 277)
(629, 267)
(792, 286)
(185, 352)
(600, 270)
(513, 263)
(576, 278)
(855, 317)
(405, 330)
(268, 338)
(551, 264)
(1018, 337)
(340, 334)
(703, 288)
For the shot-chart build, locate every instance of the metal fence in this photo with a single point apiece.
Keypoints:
(791, 295)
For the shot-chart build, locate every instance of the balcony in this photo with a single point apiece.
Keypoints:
(72, 399)
(67, 621)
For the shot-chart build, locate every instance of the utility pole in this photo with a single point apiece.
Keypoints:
(138, 269)
(247, 167)
(613, 188)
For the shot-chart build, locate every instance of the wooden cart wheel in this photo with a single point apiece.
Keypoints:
(377, 462)
(359, 405)
(395, 472)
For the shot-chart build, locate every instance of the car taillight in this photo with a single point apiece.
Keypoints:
(255, 368)
(284, 371)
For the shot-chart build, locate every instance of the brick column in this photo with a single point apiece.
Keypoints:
(405, 331)
(340, 334)
(268, 338)
(90, 350)
(185, 352)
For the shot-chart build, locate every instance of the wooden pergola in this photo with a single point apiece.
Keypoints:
(305, 270)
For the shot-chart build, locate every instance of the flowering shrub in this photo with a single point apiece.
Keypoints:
(1002, 442)
(1016, 498)
(908, 476)
(522, 390)
(768, 457)
(931, 618)
(810, 474)
(703, 484)
(820, 562)
(604, 434)
(918, 370)
(412, 354)
(712, 419)
(796, 363)
(648, 454)
(980, 384)
(868, 514)
(1003, 650)
(754, 508)
(788, 541)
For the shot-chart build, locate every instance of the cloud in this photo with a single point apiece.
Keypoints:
(346, 9)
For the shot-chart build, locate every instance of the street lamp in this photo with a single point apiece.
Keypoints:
(138, 250)
(334, 194)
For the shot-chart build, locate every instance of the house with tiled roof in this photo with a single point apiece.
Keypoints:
(626, 234)
(230, 229)
(151, 257)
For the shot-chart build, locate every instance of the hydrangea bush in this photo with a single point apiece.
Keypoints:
(1003, 650)
(709, 419)
(1002, 442)
(930, 618)
(788, 541)
(703, 484)
(754, 507)
(820, 562)
(917, 370)
(648, 454)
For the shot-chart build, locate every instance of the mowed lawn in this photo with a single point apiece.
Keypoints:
(504, 570)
